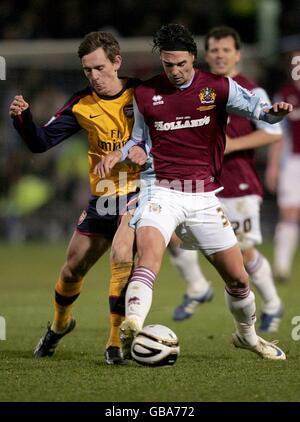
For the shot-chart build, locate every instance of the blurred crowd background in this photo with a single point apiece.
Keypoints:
(32, 19)
(41, 196)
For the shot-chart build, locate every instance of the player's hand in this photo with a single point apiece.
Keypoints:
(18, 106)
(106, 163)
(137, 155)
(281, 109)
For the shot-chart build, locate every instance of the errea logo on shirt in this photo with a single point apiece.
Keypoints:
(157, 100)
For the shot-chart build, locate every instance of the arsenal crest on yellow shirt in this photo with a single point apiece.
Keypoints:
(128, 110)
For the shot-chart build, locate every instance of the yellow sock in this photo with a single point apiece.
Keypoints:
(115, 322)
(65, 295)
(62, 315)
(120, 275)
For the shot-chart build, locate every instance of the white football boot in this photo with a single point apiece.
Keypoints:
(263, 348)
(128, 330)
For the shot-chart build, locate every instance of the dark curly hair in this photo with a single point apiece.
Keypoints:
(174, 37)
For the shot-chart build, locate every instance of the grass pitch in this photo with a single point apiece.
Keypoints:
(208, 369)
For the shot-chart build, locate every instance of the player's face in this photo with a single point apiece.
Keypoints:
(178, 66)
(222, 56)
(101, 72)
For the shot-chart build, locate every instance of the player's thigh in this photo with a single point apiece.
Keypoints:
(161, 209)
(123, 245)
(244, 215)
(208, 229)
(84, 251)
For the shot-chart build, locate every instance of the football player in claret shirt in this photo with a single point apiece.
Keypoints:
(242, 193)
(105, 111)
(283, 173)
(182, 115)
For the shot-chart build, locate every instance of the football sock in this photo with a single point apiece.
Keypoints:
(260, 272)
(65, 295)
(241, 303)
(120, 274)
(139, 294)
(188, 267)
(286, 239)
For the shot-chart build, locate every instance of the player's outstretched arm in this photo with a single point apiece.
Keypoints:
(244, 103)
(39, 139)
(256, 139)
(17, 106)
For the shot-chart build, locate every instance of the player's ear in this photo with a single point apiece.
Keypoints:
(192, 57)
(117, 62)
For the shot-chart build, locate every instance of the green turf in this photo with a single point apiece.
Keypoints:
(208, 369)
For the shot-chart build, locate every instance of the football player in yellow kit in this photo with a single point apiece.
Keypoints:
(104, 110)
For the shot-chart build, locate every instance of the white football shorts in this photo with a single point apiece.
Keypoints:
(288, 188)
(244, 215)
(197, 217)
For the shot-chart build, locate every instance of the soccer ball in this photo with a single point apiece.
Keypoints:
(155, 345)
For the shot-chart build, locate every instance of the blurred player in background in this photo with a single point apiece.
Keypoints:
(242, 194)
(182, 115)
(283, 171)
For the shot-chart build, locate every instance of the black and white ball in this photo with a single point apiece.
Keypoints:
(155, 345)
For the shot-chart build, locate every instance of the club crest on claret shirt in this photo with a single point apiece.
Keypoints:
(207, 98)
(207, 95)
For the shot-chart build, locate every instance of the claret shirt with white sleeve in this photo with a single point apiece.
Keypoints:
(185, 128)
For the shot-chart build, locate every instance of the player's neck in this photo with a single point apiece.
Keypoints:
(189, 82)
(116, 86)
(233, 73)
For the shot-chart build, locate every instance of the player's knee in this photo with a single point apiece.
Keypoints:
(150, 248)
(183, 257)
(248, 255)
(238, 278)
(72, 273)
(121, 252)
(150, 257)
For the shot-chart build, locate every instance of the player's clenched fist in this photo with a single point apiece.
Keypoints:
(137, 155)
(17, 106)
